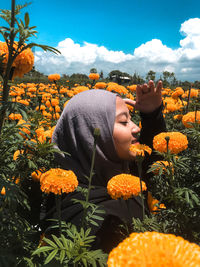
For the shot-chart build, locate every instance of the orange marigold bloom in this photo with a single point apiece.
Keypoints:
(25, 126)
(94, 76)
(132, 87)
(54, 77)
(140, 149)
(23, 63)
(152, 204)
(58, 181)
(100, 85)
(15, 117)
(125, 186)
(36, 175)
(177, 142)
(178, 117)
(3, 191)
(159, 164)
(154, 249)
(189, 118)
(54, 102)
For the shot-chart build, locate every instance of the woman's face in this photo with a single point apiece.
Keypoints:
(125, 131)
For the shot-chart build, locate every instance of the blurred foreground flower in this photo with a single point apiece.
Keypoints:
(140, 149)
(177, 142)
(191, 117)
(154, 249)
(125, 186)
(58, 181)
(23, 63)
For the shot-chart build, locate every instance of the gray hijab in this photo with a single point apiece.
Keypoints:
(74, 134)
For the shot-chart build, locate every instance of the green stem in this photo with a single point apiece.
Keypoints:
(139, 164)
(188, 100)
(6, 88)
(96, 134)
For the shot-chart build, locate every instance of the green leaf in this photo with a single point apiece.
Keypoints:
(51, 243)
(51, 256)
(57, 241)
(42, 249)
(26, 19)
(64, 240)
(62, 255)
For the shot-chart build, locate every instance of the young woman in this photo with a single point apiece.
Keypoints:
(74, 134)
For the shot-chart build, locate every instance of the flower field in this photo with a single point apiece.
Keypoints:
(169, 231)
(28, 171)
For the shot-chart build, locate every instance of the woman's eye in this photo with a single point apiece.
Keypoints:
(124, 122)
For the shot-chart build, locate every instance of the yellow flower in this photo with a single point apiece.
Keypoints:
(94, 76)
(189, 118)
(58, 181)
(23, 63)
(154, 249)
(125, 186)
(54, 77)
(159, 164)
(14, 116)
(178, 117)
(152, 204)
(36, 175)
(177, 142)
(140, 149)
(100, 85)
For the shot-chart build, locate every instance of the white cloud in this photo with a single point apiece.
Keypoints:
(77, 58)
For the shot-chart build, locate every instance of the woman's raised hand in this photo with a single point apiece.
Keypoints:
(148, 97)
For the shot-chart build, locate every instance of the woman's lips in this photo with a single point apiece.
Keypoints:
(135, 142)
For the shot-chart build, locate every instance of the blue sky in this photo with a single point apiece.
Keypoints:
(99, 30)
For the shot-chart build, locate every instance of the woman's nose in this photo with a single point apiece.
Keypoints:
(135, 129)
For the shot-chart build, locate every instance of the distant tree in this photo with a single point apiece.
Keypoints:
(93, 70)
(151, 75)
(167, 78)
(137, 79)
(65, 76)
(79, 77)
(101, 74)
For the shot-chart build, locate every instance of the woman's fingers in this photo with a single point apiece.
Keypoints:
(129, 101)
(151, 86)
(159, 87)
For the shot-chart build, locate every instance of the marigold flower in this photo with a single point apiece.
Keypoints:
(94, 76)
(154, 249)
(36, 175)
(54, 77)
(23, 63)
(15, 117)
(159, 164)
(140, 149)
(3, 191)
(189, 118)
(58, 181)
(125, 186)
(100, 85)
(177, 142)
(152, 204)
(132, 87)
(17, 153)
(54, 102)
(178, 117)
(25, 126)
